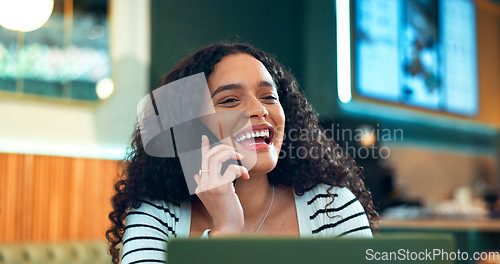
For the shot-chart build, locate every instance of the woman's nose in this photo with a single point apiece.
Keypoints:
(255, 108)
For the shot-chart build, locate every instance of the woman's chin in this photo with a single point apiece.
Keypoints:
(261, 162)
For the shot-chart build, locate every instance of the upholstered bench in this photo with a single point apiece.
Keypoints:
(87, 252)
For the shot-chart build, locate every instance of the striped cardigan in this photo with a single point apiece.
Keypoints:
(149, 227)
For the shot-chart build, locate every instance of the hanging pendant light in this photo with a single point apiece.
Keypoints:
(25, 15)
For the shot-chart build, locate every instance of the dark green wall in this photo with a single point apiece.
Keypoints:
(300, 33)
(320, 59)
(179, 27)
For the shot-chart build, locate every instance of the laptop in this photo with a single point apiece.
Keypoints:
(398, 248)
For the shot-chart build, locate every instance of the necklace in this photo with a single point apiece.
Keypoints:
(265, 216)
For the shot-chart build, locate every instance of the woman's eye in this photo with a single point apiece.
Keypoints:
(227, 101)
(270, 98)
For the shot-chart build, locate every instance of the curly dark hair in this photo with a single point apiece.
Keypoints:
(155, 178)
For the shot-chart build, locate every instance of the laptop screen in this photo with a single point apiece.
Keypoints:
(402, 248)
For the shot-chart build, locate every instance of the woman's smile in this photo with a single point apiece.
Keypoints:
(245, 97)
(257, 137)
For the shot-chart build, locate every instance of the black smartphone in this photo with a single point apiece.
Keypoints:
(187, 145)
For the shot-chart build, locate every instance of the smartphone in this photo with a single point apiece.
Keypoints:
(187, 146)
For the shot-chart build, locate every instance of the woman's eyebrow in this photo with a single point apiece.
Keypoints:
(267, 83)
(236, 86)
(223, 88)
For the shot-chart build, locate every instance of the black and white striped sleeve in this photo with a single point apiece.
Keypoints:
(147, 231)
(353, 222)
(345, 217)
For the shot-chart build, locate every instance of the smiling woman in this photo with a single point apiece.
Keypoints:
(262, 193)
(241, 83)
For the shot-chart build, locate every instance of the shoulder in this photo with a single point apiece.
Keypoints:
(158, 212)
(148, 229)
(342, 216)
(322, 194)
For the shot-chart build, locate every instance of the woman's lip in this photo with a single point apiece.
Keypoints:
(254, 128)
(256, 146)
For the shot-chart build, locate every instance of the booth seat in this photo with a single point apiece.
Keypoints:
(78, 252)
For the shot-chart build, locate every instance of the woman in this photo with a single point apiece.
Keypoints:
(272, 192)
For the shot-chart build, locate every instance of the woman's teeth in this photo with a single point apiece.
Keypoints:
(263, 133)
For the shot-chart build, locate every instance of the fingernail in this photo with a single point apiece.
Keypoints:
(203, 138)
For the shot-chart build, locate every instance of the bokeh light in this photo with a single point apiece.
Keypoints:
(25, 15)
(105, 88)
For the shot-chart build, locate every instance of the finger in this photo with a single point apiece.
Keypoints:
(205, 147)
(225, 155)
(206, 156)
(197, 179)
(205, 144)
(213, 175)
(218, 148)
(206, 151)
(215, 165)
(244, 173)
(213, 179)
(236, 170)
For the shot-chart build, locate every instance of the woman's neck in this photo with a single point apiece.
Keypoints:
(255, 195)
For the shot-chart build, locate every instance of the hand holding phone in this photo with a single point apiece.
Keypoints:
(216, 190)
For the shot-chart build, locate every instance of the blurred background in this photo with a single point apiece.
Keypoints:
(411, 89)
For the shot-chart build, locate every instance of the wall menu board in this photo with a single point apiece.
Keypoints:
(417, 52)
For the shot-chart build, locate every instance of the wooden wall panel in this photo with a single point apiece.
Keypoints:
(52, 198)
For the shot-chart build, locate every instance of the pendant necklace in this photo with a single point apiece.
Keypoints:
(265, 216)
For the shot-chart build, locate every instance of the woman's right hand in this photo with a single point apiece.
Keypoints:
(217, 192)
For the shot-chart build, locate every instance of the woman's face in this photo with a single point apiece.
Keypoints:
(249, 114)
